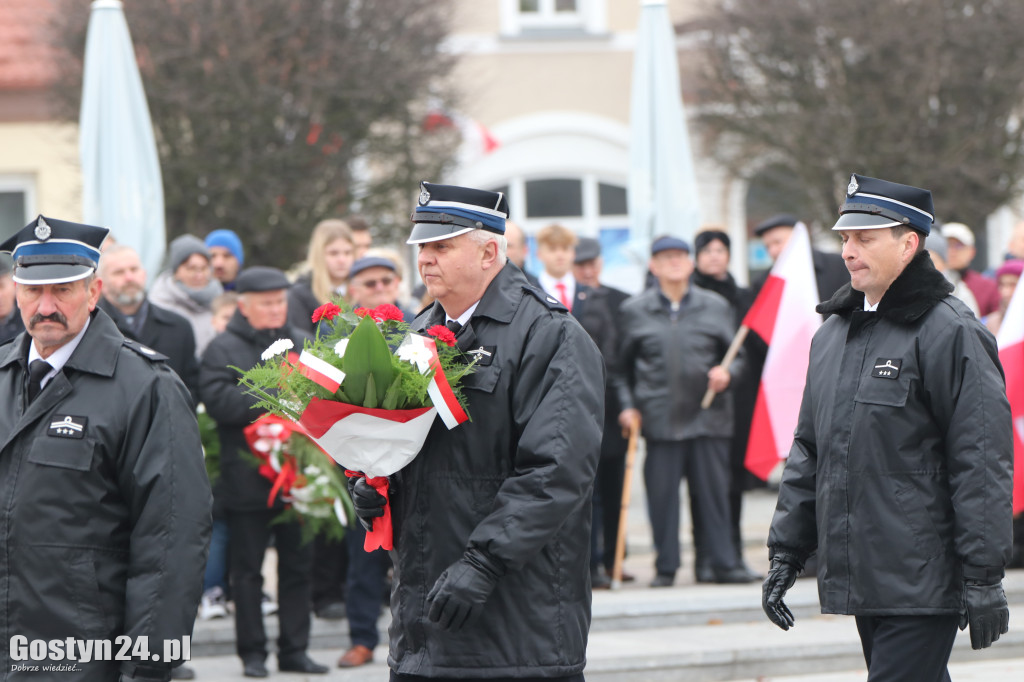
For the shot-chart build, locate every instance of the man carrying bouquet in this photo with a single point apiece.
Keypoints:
(492, 518)
(260, 320)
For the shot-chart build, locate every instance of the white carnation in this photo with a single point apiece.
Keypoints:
(279, 347)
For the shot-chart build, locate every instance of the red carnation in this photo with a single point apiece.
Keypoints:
(443, 334)
(386, 312)
(361, 312)
(328, 311)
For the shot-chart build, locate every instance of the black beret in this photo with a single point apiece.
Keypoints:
(261, 278)
(779, 220)
(587, 248)
(707, 236)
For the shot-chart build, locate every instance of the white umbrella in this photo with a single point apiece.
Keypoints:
(121, 185)
(662, 184)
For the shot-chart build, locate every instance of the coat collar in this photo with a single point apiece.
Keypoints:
(96, 353)
(914, 292)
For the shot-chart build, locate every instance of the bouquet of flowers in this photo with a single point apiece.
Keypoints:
(366, 390)
(305, 477)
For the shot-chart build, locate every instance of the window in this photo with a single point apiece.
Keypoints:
(17, 200)
(536, 18)
(556, 198)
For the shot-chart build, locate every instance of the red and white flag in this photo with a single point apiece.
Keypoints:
(783, 315)
(1011, 354)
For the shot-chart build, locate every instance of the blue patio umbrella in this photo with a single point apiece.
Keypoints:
(121, 184)
(663, 197)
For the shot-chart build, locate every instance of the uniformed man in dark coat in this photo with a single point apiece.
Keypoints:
(492, 518)
(900, 471)
(105, 520)
(260, 320)
(124, 299)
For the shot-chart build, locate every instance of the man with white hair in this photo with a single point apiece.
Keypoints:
(492, 519)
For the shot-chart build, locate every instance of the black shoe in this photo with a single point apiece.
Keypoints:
(183, 672)
(734, 576)
(300, 663)
(663, 580)
(333, 611)
(705, 573)
(254, 668)
(599, 580)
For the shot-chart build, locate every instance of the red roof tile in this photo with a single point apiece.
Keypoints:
(26, 59)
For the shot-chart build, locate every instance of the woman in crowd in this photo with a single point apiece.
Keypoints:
(331, 253)
(188, 287)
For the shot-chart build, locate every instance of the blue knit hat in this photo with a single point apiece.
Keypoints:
(228, 240)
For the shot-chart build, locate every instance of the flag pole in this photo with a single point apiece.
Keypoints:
(627, 485)
(730, 355)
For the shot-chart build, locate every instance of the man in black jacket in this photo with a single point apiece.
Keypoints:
(106, 513)
(124, 299)
(829, 272)
(261, 319)
(492, 518)
(900, 471)
(674, 337)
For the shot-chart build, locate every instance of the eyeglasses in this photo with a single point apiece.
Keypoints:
(372, 283)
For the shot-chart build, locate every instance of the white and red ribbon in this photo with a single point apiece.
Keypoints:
(440, 392)
(320, 371)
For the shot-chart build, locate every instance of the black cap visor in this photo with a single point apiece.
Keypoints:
(51, 273)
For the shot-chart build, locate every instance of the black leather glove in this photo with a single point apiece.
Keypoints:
(781, 576)
(368, 503)
(986, 611)
(457, 598)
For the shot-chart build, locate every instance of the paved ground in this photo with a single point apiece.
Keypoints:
(611, 644)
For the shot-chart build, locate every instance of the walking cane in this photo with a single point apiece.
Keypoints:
(627, 484)
(730, 355)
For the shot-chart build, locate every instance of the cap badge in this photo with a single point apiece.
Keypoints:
(42, 230)
(852, 188)
(424, 197)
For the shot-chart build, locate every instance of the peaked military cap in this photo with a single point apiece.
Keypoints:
(51, 251)
(778, 220)
(261, 278)
(872, 204)
(446, 211)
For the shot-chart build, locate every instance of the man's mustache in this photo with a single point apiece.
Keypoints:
(52, 317)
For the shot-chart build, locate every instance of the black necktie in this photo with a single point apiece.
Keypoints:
(453, 326)
(36, 371)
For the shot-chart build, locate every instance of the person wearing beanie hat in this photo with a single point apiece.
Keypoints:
(900, 474)
(226, 256)
(187, 286)
(1007, 276)
(712, 248)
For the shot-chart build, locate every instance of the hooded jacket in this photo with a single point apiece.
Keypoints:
(901, 467)
(104, 530)
(513, 484)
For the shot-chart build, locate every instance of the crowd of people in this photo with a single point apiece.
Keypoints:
(543, 460)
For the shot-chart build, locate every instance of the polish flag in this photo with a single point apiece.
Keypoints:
(1011, 354)
(783, 315)
(320, 371)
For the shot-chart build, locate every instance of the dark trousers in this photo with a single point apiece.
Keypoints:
(250, 532)
(330, 565)
(611, 470)
(364, 588)
(900, 648)
(705, 464)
